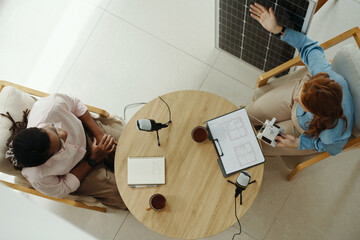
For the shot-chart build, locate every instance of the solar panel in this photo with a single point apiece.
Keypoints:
(242, 36)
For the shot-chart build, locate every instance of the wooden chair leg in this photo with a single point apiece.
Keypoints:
(307, 163)
(294, 172)
(354, 143)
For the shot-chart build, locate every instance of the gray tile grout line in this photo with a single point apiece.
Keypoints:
(243, 231)
(212, 66)
(95, 5)
(167, 43)
(158, 38)
(215, 68)
(237, 59)
(107, 6)
(81, 50)
(253, 87)
(291, 191)
(251, 236)
(202, 83)
(169, 237)
(121, 225)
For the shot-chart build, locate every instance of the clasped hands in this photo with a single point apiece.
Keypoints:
(106, 145)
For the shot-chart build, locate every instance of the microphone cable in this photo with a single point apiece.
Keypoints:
(132, 104)
(236, 234)
(169, 111)
(142, 103)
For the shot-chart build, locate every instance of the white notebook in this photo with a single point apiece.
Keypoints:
(146, 170)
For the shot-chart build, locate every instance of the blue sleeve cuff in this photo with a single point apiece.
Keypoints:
(294, 38)
(306, 142)
(310, 143)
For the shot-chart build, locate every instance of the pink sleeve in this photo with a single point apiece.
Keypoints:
(71, 181)
(57, 186)
(71, 104)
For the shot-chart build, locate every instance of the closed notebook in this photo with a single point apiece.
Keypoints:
(146, 170)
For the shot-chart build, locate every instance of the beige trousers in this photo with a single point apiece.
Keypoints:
(100, 182)
(276, 100)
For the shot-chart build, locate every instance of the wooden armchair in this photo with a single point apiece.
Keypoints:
(17, 173)
(354, 88)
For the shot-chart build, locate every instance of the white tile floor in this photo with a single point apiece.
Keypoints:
(111, 53)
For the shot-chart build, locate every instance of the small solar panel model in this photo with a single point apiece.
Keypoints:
(242, 36)
(269, 131)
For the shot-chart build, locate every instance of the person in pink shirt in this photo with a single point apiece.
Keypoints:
(54, 154)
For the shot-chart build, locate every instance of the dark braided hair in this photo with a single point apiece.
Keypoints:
(31, 147)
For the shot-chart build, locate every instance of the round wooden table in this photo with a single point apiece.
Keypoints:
(199, 200)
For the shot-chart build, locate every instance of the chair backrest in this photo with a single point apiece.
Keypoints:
(347, 63)
(15, 102)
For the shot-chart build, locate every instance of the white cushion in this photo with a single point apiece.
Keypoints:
(15, 102)
(347, 63)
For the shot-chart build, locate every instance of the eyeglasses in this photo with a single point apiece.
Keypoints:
(62, 143)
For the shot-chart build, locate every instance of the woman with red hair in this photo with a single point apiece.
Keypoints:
(316, 111)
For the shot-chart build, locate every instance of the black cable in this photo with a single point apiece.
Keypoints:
(136, 104)
(157, 135)
(236, 234)
(169, 111)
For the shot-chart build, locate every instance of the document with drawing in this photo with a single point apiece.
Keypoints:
(235, 142)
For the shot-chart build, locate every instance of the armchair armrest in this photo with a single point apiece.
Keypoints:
(99, 111)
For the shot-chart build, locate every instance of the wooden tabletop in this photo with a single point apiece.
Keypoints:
(199, 200)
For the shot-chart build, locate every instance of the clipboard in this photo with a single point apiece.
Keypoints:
(235, 142)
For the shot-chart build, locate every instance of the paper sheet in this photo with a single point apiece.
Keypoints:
(236, 140)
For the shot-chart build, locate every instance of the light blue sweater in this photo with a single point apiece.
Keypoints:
(330, 140)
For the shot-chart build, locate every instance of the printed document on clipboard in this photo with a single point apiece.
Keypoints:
(235, 142)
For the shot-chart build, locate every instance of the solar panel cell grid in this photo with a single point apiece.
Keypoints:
(242, 36)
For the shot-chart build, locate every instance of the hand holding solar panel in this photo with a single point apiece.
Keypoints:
(265, 17)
